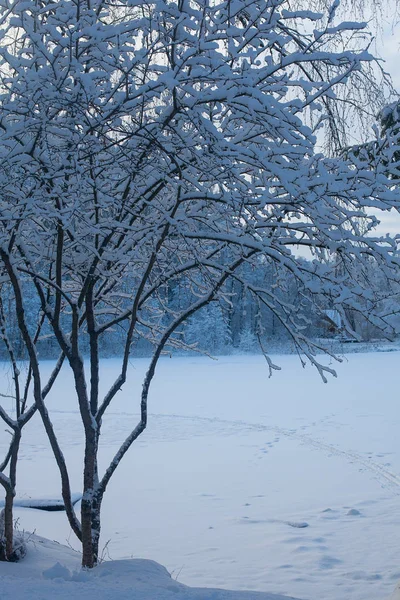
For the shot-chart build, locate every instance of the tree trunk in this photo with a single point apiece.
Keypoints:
(6, 517)
(90, 516)
(90, 507)
(8, 523)
(7, 527)
(3, 554)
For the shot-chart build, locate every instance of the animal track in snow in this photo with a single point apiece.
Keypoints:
(381, 473)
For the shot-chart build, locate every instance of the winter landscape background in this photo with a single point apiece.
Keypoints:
(199, 304)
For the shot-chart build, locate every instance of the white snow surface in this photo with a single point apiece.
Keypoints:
(116, 580)
(283, 485)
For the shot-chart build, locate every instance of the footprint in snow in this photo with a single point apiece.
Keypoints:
(330, 514)
(329, 562)
(296, 524)
(363, 576)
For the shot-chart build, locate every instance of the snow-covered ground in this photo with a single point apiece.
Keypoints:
(231, 465)
(135, 579)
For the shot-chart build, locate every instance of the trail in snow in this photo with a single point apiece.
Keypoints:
(385, 476)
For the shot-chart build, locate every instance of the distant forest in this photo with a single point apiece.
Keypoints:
(234, 323)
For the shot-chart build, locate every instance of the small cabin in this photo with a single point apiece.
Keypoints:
(332, 321)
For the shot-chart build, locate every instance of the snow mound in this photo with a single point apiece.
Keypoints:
(58, 571)
(298, 524)
(39, 577)
(49, 504)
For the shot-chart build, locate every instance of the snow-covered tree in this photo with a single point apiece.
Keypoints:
(146, 147)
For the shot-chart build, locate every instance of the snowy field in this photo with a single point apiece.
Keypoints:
(231, 465)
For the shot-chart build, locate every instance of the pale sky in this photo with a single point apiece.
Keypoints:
(388, 46)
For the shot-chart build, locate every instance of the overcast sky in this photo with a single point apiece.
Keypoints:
(388, 45)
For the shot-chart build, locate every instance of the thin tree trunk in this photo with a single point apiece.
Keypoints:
(3, 554)
(9, 524)
(8, 509)
(7, 521)
(90, 507)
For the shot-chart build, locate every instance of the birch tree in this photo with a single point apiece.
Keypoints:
(145, 144)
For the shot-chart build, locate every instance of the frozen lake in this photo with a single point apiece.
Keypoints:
(231, 462)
